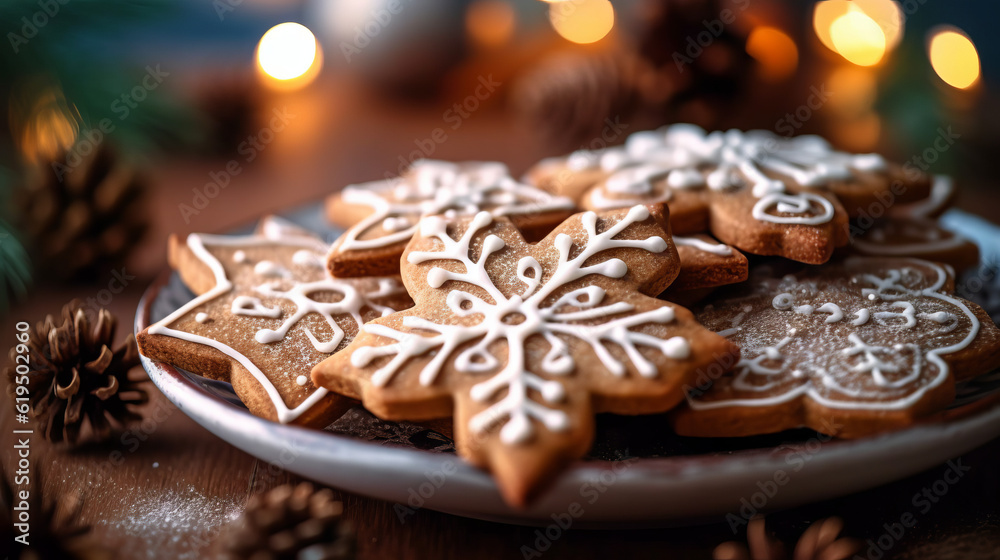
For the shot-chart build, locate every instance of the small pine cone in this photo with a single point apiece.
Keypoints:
(74, 376)
(569, 96)
(290, 523)
(81, 215)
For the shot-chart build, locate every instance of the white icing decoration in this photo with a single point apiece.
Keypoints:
(798, 204)
(201, 318)
(702, 245)
(515, 318)
(239, 257)
(437, 187)
(861, 317)
(908, 315)
(253, 307)
(350, 303)
(836, 314)
(871, 359)
(197, 243)
(307, 258)
(923, 237)
(737, 160)
(301, 380)
(942, 188)
(271, 270)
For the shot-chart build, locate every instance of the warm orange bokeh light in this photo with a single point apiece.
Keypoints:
(490, 23)
(50, 129)
(858, 38)
(582, 21)
(774, 51)
(289, 56)
(889, 17)
(852, 90)
(953, 57)
(862, 31)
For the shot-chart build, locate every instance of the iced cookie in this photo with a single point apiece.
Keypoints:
(265, 313)
(706, 263)
(920, 238)
(523, 343)
(382, 216)
(762, 193)
(848, 349)
(941, 197)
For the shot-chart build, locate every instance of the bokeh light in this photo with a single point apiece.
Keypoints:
(775, 52)
(858, 38)
(490, 23)
(289, 52)
(953, 57)
(862, 31)
(852, 90)
(50, 129)
(582, 21)
(824, 14)
(889, 17)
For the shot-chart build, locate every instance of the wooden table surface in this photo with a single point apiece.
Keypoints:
(176, 486)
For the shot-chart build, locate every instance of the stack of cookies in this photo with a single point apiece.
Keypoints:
(613, 281)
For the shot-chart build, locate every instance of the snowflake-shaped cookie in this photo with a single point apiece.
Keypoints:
(524, 343)
(382, 216)
(265, 314)
(850, 349)
(760, 192)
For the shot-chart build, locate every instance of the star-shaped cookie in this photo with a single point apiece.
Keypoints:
(265, 313)
(762, 193)
(850, 349)
(524, 343)
(382, 216)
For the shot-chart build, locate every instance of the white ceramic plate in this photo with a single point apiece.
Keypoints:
(674, 481)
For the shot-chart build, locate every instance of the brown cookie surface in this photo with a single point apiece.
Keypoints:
(706, 263)
(850, 348)
(762, 193)
(265, 313)
(382, 216)
(524, 343)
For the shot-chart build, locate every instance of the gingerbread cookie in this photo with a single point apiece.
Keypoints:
(706, 263)
(762, 193)
(382, 216)
(265, 313)
(920, 238)
(848, 349)
(524, 343)
(941, 197)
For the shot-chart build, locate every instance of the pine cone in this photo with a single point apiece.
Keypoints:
(81, 216)
(291, 522)
(74, 376)
(54, 534)
(569, 96)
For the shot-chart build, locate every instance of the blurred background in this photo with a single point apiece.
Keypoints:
(124, 121)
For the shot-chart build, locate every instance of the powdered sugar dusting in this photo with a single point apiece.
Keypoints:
(184, 520)
(867, 334)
